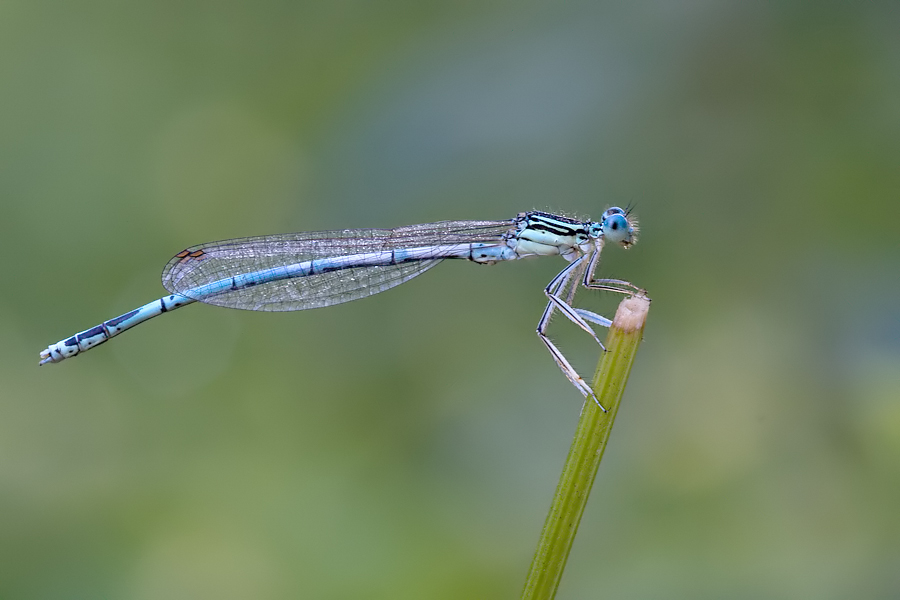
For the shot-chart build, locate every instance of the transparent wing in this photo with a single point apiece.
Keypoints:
(215, 261)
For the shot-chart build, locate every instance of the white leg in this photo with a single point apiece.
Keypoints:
(610, 285)
(594, 317)
(570, 372)
(552, 290)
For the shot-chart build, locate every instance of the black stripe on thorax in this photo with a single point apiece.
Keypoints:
(554, 224)
(546, 215)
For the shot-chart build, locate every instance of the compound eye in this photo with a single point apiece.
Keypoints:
(616, 229)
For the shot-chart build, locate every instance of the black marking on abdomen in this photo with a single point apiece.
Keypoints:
(392, 262)
(119, 319)
(90, 332)
(410, 259)
(162, 305)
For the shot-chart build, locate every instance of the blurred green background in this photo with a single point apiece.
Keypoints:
(408, 445)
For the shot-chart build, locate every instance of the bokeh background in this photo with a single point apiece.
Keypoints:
(407, 445)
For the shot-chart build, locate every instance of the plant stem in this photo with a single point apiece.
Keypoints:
(587, 448)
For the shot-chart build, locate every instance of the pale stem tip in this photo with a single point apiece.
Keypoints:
(632, 313)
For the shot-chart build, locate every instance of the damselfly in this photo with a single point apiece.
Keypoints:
(310, 270)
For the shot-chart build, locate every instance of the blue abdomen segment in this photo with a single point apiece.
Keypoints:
(259, 289)
(301, 285)
(97, 335)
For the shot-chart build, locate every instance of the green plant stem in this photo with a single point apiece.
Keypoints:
(591, 436)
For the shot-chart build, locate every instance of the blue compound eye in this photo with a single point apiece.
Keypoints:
(616, 229)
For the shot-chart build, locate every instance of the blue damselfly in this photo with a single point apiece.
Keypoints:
(312, 270)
